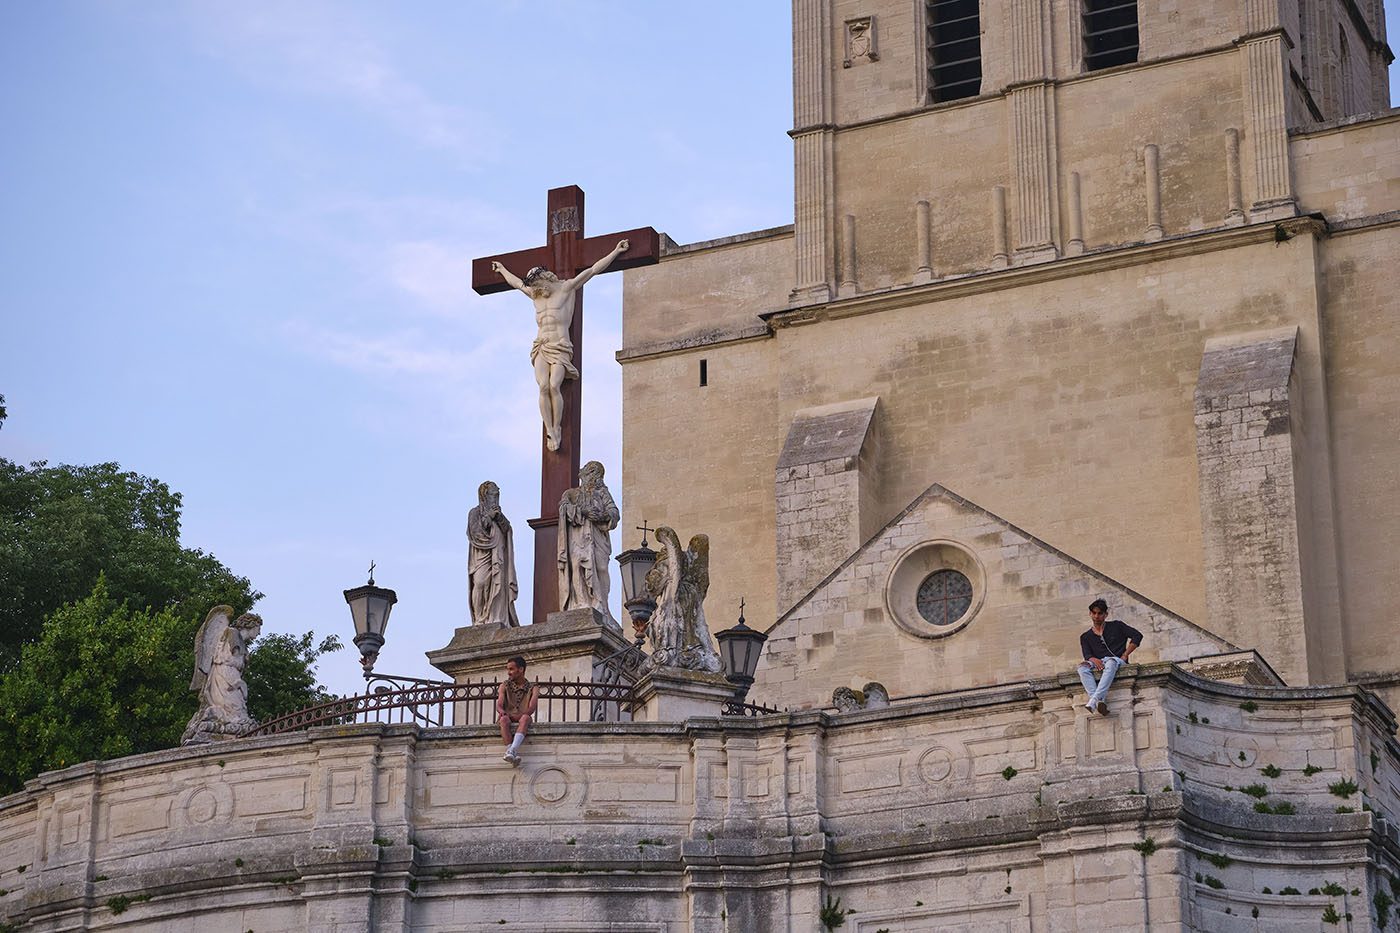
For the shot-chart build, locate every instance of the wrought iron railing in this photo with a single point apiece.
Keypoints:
(433, 704)
(390, 699)
(736, 708)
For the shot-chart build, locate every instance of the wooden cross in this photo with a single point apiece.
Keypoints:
(566, 253)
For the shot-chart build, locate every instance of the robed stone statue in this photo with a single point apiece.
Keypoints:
(491, 561)
(587, 514)
(220, 652)
(678, 582)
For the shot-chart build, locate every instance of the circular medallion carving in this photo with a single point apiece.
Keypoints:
(549, 785)
(202, 806)
(935, 765)
(1241, 750)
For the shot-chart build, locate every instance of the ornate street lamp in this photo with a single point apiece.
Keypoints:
(634, 566)
(369, 607)
(740, 647)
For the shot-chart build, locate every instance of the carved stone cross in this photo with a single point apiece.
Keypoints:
(566, 253)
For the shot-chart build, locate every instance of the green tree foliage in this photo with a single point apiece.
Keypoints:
(105, 680)
(62, 527)
(281, 676)
(102, 680)
(99, 606)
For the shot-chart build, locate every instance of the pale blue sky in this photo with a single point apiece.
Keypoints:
(235, 254)
(236, 244)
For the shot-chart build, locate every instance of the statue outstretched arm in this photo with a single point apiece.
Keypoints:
(511, 278)
(599, 266)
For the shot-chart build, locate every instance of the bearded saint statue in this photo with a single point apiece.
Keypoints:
(491, 560)
(587, 514)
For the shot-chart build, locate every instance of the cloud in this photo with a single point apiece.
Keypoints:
(480, 397)
(383, 355)
(435, 273)
(314, 47)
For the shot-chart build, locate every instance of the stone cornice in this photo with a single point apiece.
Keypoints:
(758, 330)
(1101, 260)
(718, 243)
(1344, 123)
(902, 296)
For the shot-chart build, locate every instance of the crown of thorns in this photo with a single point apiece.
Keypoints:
(536, 273)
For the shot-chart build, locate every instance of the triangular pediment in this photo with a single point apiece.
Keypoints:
(999, 605)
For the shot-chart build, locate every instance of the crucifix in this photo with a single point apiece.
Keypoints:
(555, 284)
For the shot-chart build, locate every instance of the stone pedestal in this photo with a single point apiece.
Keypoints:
(669, 694)
(564, 646)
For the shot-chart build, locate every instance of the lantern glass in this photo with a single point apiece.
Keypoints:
(740, 648)
(635, 564)
(369, 608)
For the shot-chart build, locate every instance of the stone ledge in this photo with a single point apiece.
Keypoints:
(698, 340)
(671, 249)
(482, 650)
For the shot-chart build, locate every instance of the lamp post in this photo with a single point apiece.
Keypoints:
(634, 566)
(370, 606)
(740, 647)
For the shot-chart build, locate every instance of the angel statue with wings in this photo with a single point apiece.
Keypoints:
(680, 636)
(220, 651)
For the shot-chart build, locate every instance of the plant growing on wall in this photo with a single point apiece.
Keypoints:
(832, 914)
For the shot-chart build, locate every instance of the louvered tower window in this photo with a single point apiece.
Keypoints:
(1110, 33)
(954, 50)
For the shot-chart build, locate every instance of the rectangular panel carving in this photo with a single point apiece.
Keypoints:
(344, 786)
(260, 798)
(1103, 735)
(650, 785)
(70, 825)
(992, 756)
(719, 780)
(754, 778)
(1067, 740)
(859, 773)
(466, 787)
(138, 815)
(1142, 731)
(794, 776)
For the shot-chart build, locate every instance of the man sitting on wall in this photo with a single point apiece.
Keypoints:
(516, 702)
(1106, 646)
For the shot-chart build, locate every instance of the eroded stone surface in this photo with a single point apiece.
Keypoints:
(918, 816)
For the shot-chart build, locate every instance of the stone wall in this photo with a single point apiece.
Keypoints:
(1350, 170)
(1058, 396)
(1026, 612)
(1008, 808)
(1042, 361)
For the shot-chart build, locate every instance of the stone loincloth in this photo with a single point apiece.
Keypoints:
(559, 351)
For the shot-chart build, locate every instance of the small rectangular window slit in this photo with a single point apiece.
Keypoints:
(704, 373)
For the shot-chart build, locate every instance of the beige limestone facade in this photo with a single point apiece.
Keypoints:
(1054, 299)
(1128, 333)
(1007, 808)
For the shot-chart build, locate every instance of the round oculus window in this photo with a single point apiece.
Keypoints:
(944, 597)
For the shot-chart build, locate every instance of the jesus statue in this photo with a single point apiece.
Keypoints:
(552, 353)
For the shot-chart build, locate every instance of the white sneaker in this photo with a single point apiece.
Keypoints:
(511, 758)
(1090, 707)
